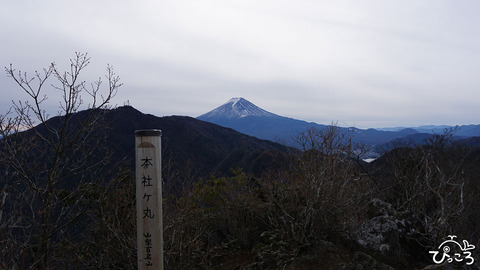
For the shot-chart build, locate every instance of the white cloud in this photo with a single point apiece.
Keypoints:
(363, 62)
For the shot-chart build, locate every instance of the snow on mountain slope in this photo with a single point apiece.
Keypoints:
(245, 117)
(235, 108)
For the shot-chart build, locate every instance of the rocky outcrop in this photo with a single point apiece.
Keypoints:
(389, 235)
(384, 230)
(381, 234)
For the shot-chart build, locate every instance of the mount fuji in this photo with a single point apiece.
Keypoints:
(235, 108)
(245, 117)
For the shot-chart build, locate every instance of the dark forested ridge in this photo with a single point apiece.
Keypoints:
(190, 144)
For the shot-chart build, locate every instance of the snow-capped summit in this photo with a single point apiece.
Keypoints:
(243, 116)
(235, 108)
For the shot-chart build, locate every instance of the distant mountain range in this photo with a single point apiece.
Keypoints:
(462, 131)
(245, 117)
(196, 148)
(240, 135)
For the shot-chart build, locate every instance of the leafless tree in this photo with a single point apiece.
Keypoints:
(429, 181)
(318, 195)
(48, 164)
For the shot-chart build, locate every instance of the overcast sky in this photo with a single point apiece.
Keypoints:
(371, 63)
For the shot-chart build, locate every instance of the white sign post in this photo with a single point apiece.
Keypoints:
(149, 199)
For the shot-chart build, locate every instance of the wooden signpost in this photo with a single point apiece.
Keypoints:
(149, 199)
